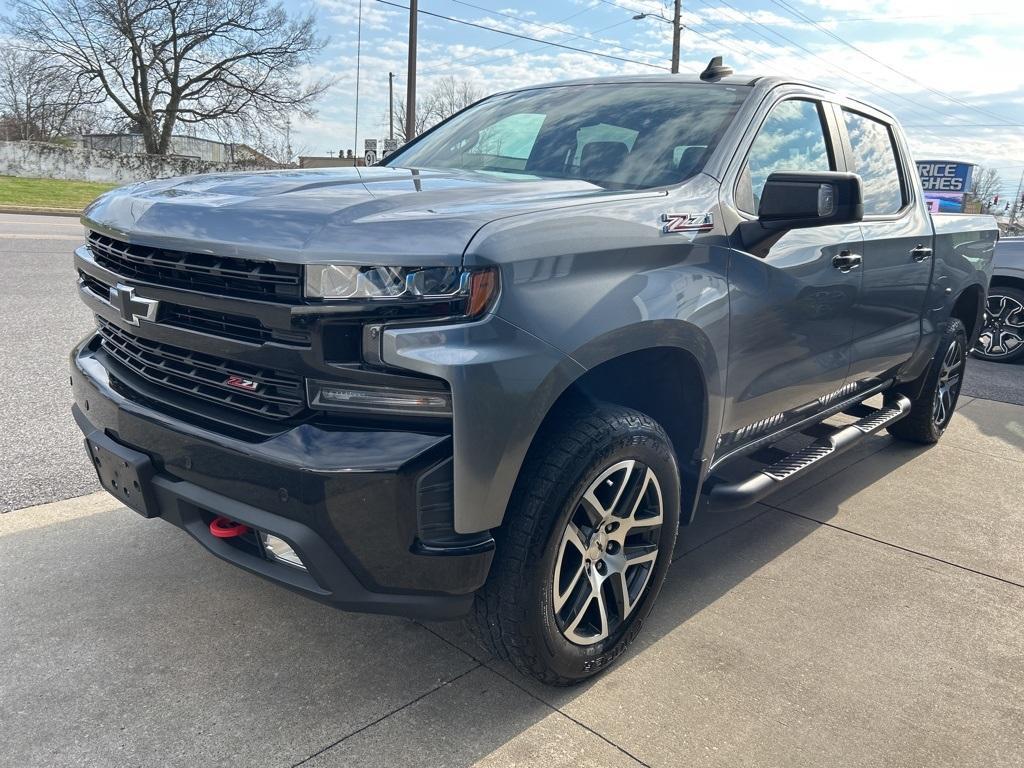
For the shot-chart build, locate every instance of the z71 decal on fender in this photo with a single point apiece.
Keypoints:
(675, 223)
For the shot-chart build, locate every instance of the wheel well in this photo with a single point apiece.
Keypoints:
(666, 383)
(1006, 281)
(968, 309)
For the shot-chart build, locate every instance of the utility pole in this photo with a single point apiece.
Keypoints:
(677, 28)
(1017, 201)
(359, 51)
(391, 105)
(410, 81)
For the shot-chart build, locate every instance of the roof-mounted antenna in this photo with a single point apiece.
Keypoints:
(715, 70)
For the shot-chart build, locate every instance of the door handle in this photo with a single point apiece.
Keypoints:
(921, 253)
(844, 261)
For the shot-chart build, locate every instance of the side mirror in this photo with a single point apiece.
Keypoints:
(797, 200)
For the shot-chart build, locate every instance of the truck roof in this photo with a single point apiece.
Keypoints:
(762, 82)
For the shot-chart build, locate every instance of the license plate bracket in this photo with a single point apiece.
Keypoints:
(123, 472)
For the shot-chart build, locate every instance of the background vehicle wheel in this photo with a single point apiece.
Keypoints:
(1002, 336)
(585, 547)
(933, 408)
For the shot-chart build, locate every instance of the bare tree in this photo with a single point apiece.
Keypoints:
(39, 99)
(985, 185)
(442, 100)
(194, 62)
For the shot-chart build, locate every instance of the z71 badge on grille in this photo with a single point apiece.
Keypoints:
(239, 383)
(687, 222)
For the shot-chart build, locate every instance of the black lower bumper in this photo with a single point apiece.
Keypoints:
(345, 499)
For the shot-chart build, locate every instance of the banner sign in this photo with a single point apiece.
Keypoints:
(945, 183)
(945, 176)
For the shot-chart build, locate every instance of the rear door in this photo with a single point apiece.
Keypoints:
(897, 258)
(791, 308)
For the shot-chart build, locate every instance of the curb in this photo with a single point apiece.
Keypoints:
(34, 211)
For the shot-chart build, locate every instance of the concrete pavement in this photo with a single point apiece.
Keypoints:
(869, 617)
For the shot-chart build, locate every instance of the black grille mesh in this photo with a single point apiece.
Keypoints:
(277, 395)
(221, 275)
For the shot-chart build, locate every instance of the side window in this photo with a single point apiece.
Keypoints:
(792, 138)
(874, 158)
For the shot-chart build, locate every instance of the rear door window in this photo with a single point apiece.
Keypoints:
(875, 160)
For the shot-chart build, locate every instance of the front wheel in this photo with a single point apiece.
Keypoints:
(587, 541)
(1002, 335)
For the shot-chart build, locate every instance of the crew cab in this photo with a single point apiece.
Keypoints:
(491, 376)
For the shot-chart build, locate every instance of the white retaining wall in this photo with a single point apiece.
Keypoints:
(32, 159)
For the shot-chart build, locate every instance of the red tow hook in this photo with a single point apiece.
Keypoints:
(223, 528)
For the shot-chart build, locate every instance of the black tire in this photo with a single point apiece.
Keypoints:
(514, 614)
(1001, 338)
(935, 403)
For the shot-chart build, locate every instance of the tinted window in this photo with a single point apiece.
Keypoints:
(616, 136)
(792, 138)
(875, 160)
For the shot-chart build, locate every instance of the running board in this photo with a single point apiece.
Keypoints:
(725, 496)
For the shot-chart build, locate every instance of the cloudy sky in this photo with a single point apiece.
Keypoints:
(953, 72)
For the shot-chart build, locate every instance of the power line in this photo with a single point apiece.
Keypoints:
(446, 64)
(527, 37)
(689, 28)
(801, 15)
(897, 98)
(457, 59)
(543, 26)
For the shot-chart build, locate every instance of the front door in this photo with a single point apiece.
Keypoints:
(791, 308)
(897, 259)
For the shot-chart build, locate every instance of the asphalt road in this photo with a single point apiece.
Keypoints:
(43, 318)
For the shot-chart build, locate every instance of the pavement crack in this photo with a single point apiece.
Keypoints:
(386, 715)
(538, 699)
(908, 550)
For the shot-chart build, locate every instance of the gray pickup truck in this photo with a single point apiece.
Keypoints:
(492, 376)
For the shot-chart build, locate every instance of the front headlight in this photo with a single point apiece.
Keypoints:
(470, 291)
(340, 281)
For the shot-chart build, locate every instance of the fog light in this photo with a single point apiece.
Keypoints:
(281, 551)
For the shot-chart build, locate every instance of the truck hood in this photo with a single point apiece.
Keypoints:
(356, 215)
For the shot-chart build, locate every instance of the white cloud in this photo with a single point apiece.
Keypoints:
(976, 62)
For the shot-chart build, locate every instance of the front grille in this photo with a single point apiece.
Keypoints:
(221, 275)
(97, 287)
(277, 395)
(215, 323)
(221, 324)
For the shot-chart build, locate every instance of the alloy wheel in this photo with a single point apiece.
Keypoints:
(950, 379)
(1003, 331)
(607, 552)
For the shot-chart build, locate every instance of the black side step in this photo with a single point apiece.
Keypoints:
(724, 496)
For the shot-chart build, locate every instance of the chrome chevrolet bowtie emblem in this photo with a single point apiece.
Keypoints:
(132, 308)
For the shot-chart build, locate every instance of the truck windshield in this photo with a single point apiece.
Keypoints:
(614, 135)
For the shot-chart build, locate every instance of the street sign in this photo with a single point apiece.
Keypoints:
(390, 145)
(369, 151)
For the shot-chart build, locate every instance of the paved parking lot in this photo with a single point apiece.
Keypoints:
(870, 615)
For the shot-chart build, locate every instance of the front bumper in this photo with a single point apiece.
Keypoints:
(346, 498)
